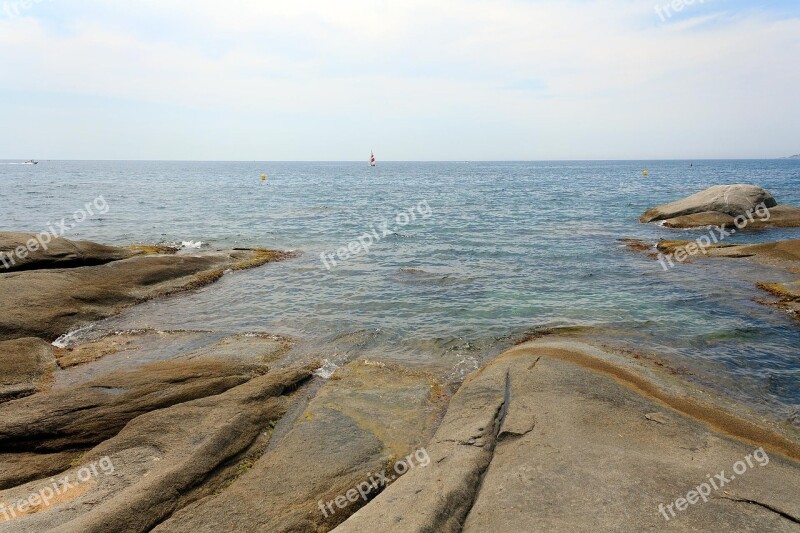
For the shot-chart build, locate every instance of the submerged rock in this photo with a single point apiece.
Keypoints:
(779, 254)
(48, 303)
(731, 200)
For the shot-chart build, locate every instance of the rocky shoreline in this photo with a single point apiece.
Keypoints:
(557, 434)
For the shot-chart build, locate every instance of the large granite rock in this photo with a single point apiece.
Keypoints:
(362, 420)
(439, 496)
(26, 366)
(553, 437)
(731, 200)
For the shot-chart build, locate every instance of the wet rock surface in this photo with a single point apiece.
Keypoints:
(127, 350)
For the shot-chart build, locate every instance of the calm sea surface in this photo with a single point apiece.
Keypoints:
(507, 247)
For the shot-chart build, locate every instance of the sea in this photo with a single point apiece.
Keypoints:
(441, 263)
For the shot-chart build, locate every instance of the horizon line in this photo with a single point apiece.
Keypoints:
(407, 160)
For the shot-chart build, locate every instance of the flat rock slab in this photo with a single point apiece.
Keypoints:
(731, 200)
(29, 251)
(130, 349)
(782, 216)
(577, 450)
(48, 303)
(159, 461)
(85, 415)
(26, 366)
(362, 420)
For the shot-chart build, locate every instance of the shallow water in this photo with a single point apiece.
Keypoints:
(507, 247)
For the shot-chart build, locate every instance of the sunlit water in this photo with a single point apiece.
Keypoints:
(506, 247)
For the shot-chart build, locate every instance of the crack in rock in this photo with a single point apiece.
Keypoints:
(767, 506)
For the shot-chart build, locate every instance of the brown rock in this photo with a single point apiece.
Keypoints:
(44, 252)
(27, 367)
(163, 459)
(363, 419)
(85, 415)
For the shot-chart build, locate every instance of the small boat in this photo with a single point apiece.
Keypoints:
(30, 162)
(372, 161)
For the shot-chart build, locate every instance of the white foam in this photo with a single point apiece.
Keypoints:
(326, 370)
(66, 339)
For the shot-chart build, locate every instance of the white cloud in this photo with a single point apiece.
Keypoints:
(611, 79)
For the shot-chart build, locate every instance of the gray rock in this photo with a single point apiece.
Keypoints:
(782, 216)
(732, 200)
(575, 451)
(438, 497)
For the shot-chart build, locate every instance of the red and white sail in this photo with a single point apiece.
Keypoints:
(372, 161)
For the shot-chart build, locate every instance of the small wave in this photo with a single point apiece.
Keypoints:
(183, 245)
(327, 369)
(70, 337)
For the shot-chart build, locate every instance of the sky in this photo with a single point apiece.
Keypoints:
(412, 79)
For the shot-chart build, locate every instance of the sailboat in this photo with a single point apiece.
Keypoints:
(372, 161)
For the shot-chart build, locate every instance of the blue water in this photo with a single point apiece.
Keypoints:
(506, 247)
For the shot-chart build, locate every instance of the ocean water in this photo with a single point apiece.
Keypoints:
(496, 250)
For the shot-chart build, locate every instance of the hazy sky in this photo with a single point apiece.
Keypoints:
(411, 79)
